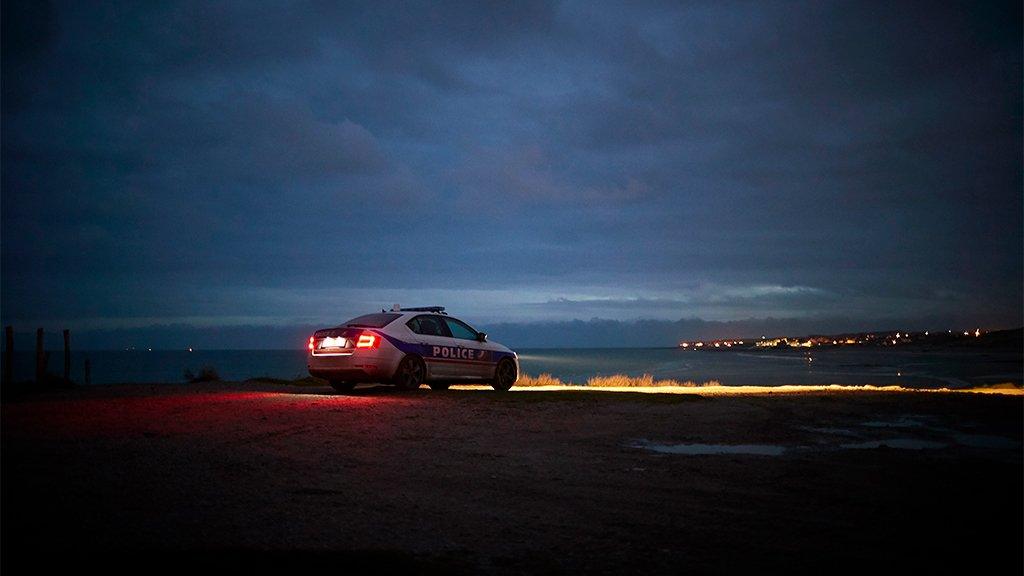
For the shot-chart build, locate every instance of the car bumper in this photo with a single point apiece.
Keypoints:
(356, 367)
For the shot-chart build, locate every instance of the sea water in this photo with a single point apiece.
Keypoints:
(851, 366)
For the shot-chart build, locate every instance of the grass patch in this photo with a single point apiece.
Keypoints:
(615, 380)
(527, 396)
(545, 379)
(621, 380)
(999, 386)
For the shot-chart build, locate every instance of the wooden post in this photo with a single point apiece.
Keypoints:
(67, 356)
(40, 360)
(88, 372)
(9, 356)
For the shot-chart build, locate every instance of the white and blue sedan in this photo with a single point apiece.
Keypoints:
(408, 347)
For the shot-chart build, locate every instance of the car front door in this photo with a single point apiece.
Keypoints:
(474, 360)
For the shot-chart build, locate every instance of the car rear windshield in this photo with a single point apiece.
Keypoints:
(372, 320)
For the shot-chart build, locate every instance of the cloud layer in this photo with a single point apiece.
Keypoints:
(300, 162)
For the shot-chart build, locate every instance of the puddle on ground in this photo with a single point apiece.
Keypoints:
(960, 438)
(897, 423)
(985, 441)
(714, 449)
(826, 430)
(939, 438)
(898, 443)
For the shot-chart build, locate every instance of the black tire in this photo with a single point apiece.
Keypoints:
(343, 387)
(439, 385)
(411, 373)
(505, 375)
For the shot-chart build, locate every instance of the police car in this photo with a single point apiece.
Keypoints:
(408, 347)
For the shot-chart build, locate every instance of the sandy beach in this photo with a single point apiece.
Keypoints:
(261, 476)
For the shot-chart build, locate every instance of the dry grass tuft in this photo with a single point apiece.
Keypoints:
(645, 381)
(542, 380)
(615, 380)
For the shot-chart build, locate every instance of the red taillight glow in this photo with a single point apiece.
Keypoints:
(368, 341)
(310, 342)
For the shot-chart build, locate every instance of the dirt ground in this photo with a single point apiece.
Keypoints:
(269, 478)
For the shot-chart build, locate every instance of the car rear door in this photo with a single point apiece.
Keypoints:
(432, 333)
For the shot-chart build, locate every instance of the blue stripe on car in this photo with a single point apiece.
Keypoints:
(426, 350)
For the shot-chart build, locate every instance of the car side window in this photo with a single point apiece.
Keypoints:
(428, 326)
(460, 330)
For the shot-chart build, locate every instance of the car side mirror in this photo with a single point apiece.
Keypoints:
(481, 337)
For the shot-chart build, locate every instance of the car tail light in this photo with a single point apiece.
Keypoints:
(310, 342)
(367, 340)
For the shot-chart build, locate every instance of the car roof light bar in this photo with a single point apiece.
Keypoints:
(434, 309)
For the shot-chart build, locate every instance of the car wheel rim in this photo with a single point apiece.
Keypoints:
(506, 374)
(412, 373)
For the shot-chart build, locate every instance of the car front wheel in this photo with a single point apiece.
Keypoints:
(504, 375)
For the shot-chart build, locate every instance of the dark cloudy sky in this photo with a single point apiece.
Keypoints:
(286, 163)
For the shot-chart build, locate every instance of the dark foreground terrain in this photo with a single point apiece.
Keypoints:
(256, 478)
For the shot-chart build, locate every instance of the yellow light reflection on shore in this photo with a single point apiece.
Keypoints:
(718, 390)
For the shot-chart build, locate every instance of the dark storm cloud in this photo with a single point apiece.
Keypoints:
(289, 162)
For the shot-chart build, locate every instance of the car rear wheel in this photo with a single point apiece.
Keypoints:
(411, 373)
(504, 375)
(342, 386)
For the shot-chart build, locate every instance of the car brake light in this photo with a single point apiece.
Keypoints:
(310, 342)
(367, 341)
